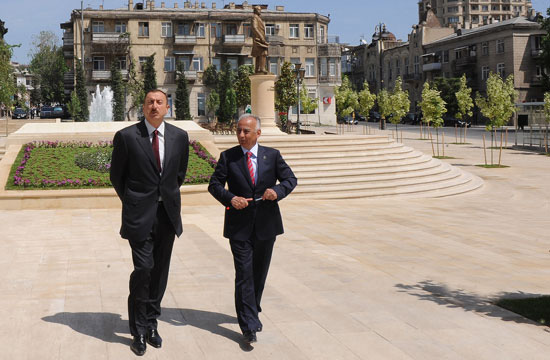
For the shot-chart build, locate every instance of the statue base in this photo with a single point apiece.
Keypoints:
(262, 95)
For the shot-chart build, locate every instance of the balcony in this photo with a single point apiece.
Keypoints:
(110, 38)
(190, 74)
(436, 66)
(466, 61)
(536, 53)
(102, 75)
(68, 78)
(329, 50)
(68, 40)
(328, 79)
(185, 39)
(412, 77)
(170, 77)
(275, 40)
(68, 54)
(233, 39)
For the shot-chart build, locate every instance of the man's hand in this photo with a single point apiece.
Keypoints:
(239, 202)
(269, 194)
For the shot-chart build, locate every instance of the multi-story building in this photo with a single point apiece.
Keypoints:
(198, 36)
(473, 13)
(23, 78)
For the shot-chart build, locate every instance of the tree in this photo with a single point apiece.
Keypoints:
(346, 99)
(433, 108)
(308, 104)
(384, 106)
(48, 65)
(366, 100)
(448, 88)
(117, 86)
(464, 99)
(135, 90)
(74, 106)
(149, 74)
(182, 95)
(228, 97)
(242, 85)
(210, 77)
(499, 105)
(544, 60)
(285, 93)
(7, 85)
(399, 101)
(81, 93)
(547, 114)
(213, 102)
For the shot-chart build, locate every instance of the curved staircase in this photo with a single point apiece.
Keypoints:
(357, 166)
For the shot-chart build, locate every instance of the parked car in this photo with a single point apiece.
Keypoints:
(452, 121)
(374, 116)
(409, 118)
(46, 112)
(19, 113)
(360, 117)
(60, 112)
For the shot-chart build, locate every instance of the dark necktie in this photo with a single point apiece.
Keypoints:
(250, 167)
(156, 148)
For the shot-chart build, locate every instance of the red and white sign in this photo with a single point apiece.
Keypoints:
(327, 100)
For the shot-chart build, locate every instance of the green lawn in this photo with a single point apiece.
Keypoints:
(59, 165)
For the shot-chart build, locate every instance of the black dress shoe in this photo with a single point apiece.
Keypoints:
(138, 345)
(153, 338)
(250, 337)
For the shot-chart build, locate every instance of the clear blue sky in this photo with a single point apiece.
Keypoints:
(350, 19)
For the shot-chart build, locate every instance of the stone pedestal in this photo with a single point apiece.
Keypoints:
(262, 95)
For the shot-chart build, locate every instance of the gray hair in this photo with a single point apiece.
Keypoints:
(247, 115)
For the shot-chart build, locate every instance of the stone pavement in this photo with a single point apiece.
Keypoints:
(362, 279)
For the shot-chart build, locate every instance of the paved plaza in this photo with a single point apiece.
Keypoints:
(384, 278)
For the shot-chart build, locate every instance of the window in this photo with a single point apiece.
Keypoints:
(453, 19)
(120, 27)
(201, 100)
(247, 30)
(199, 30)
(484, 8)
(312, 95)
(416, 64)
(143, 29)
(321, 37)
(216, 30)
(323, 65)
(452, 9)
(197, 63)
(407, 71)
(484, 72)
(98, 27)
(142, 61)
(397, 67)
(500, 70)
(166, 29)
(485, 48)
(475, 19)
(99, 62)
(537, 42)
(186, 61)
(122, 63)
(310, 67)
(308, 31)
(273, 66)
(184, 29)
(458, 54)
(233, 63)
(332, 67)
(294, 31)
(230, 29)
(445, 56)
(169, 63)
(295, 61)
(500, 46)
(269, 29)
(217, 62)
(247, 61)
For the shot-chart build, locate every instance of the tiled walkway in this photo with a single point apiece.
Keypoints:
(362, 279)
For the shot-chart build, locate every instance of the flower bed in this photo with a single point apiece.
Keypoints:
(58, 165)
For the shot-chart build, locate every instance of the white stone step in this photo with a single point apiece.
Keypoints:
(372, 162)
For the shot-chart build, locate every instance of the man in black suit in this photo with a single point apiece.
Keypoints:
(147, 169)
(252, 216)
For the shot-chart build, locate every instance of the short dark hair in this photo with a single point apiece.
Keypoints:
(153, 91)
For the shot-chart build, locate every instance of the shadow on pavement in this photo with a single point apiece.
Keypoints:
(440, 294)
(103, 326)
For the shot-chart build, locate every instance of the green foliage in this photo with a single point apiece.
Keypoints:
(149, 75)
(242, 85)
(384, 103)
(308, 104)
(464, 99)
(213, 102)
(547, 107)
(285, 93)
(448, 87)
(499, 105)
(366, 100)
(7, 85)
(182, 95)
(346, 99)
(228, 97)
(399, 101)
(81, 93)
(210, 77)
(118, 94)
(135, 89)
(544, 59)
(74, 106)
(48, 65)
(433, 106)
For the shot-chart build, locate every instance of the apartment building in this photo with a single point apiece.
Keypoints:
(469, 14)
(198, 36)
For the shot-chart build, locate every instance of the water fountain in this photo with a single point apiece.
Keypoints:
(101, 108)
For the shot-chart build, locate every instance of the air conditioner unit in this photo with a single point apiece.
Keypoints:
(87, 29)
(89, 60)
(277, 27)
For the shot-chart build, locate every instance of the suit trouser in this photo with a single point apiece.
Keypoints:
(148, 281)
(251, 259)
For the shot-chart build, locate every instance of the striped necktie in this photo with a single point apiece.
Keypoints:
(250, 167)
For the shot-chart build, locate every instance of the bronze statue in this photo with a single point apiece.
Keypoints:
(259, 45)
(3, 29)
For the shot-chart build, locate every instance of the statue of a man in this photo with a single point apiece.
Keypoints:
(3, 29)
(259, 45)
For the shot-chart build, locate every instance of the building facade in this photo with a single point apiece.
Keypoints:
(198, 36)
(469, 14)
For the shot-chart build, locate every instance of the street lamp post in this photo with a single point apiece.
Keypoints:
(300, 72)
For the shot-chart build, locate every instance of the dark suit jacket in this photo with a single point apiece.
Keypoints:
(261, 217)
(138, 183)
